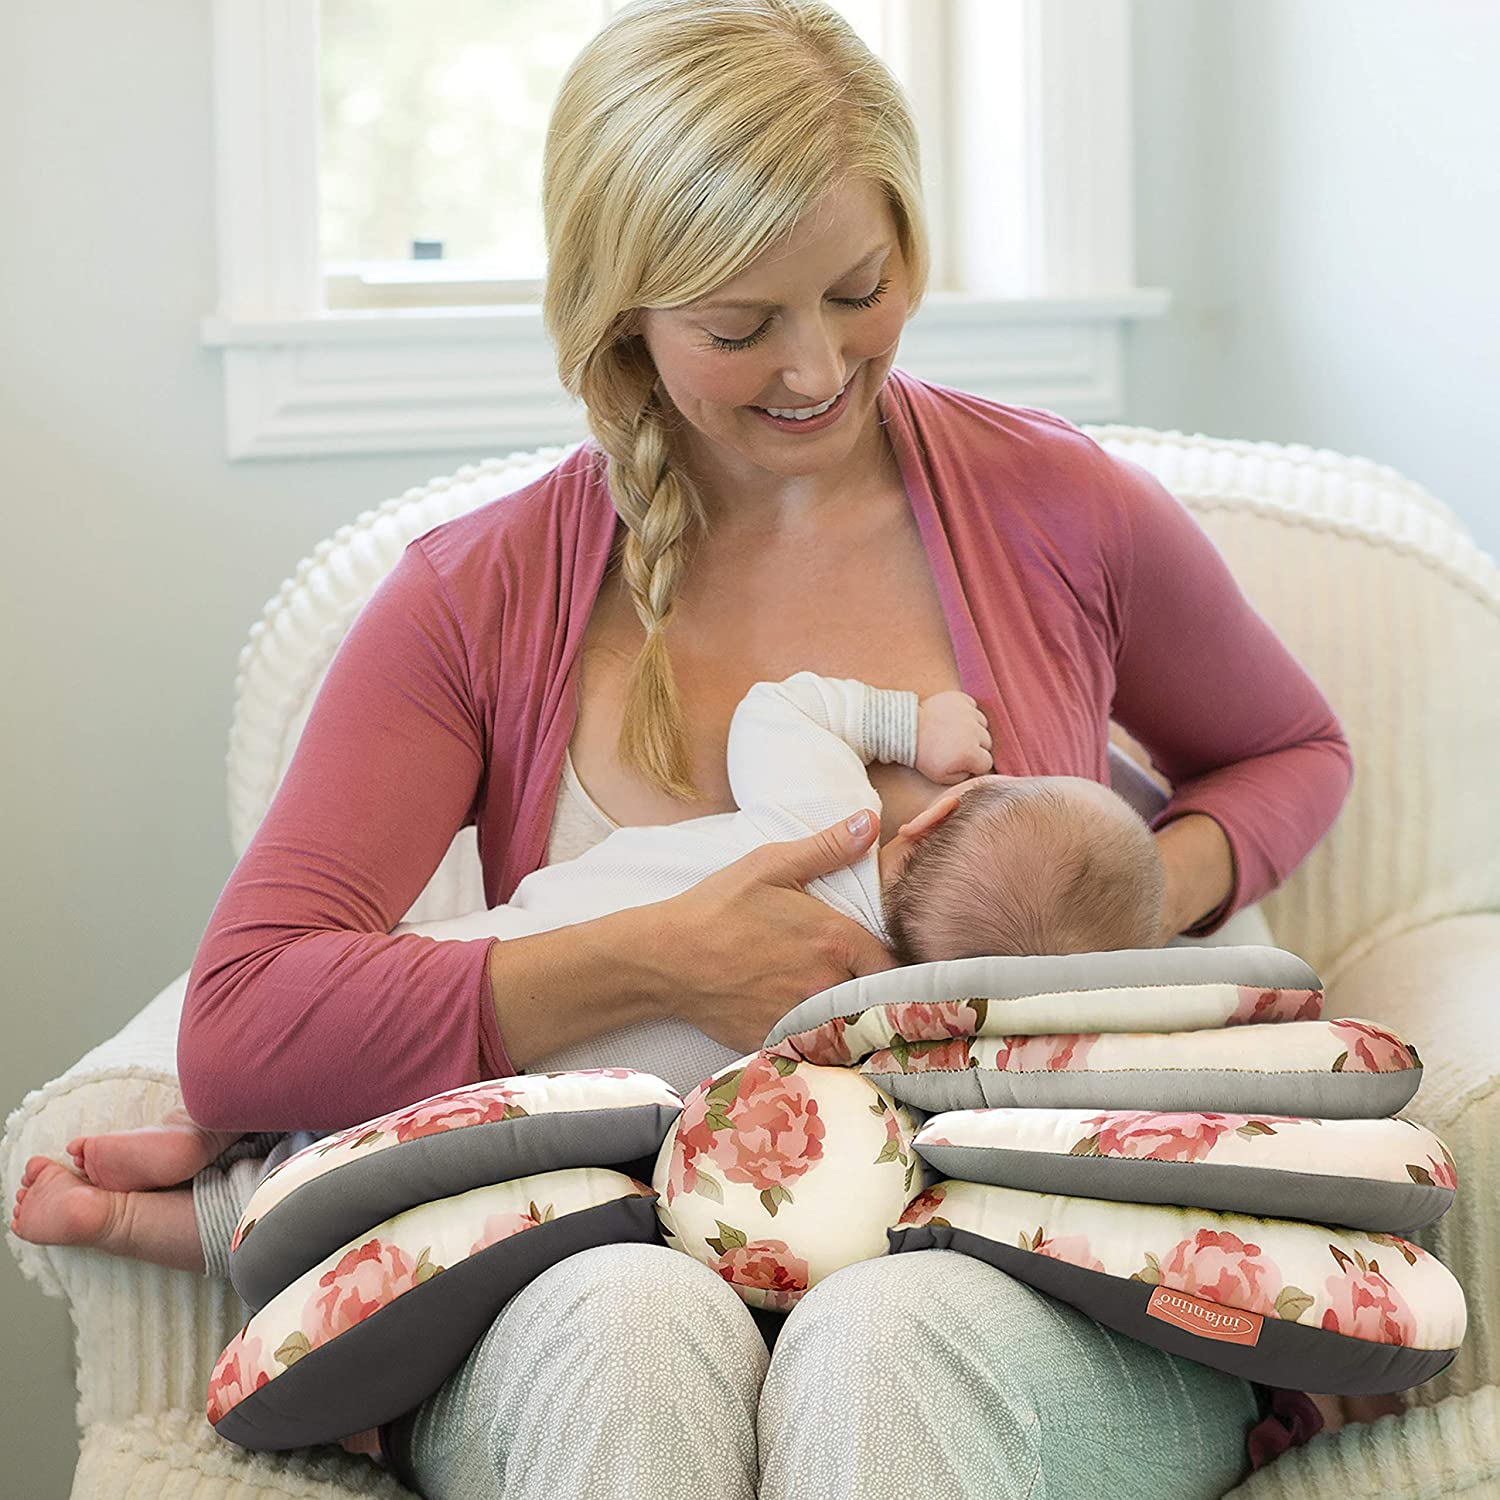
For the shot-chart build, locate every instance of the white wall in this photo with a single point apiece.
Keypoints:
(1316, 185)
(1320, 184)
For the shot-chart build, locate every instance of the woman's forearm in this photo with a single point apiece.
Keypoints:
(553, 989)
(1199, 867)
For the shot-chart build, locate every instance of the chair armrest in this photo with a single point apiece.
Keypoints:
(1439, 986)
(176, 1323)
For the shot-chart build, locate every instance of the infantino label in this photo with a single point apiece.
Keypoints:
(1206, 1319)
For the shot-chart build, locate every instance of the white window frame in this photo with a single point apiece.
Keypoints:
(300, 380)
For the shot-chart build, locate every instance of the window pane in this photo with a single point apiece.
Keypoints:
(433, 119)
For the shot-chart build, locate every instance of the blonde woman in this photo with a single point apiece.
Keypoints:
(734, 226)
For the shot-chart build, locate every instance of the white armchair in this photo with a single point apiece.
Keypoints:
(1375, 586)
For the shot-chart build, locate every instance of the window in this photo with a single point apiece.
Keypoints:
(355, 319)
(433, 119)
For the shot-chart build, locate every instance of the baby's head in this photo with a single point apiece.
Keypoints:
(1022, 865)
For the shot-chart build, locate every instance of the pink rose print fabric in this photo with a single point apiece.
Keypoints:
(758, 1125)
(779, 1172)
(1183, 1136)
(1258, 1006)
(1372, 1049)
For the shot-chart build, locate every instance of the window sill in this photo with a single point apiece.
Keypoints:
(483, 379)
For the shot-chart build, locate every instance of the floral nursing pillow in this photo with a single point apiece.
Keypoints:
(1300, 1305)
(1391, 1175)
(503, 1128)
(372, 1329)
(1344, 1069)
(376, 1258)
(780, 1172)
(1131, 990)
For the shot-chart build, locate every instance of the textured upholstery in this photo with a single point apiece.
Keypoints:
(1378, 590)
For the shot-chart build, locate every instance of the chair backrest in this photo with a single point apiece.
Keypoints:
(1374, 586)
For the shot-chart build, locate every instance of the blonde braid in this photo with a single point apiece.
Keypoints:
(661, 511)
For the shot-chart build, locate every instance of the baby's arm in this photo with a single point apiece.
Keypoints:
(809, 738)
(798, 749)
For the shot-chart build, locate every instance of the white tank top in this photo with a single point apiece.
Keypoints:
(671, 1049)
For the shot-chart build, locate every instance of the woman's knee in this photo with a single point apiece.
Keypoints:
(633, 1288)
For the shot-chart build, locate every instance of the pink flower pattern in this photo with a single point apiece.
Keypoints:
(776, 1132)
(499, 1227)
(1181, 1136)
(364, 1280)
(923, 1207)
(766, 1266)
(1223, 1268)
(239, 1372)
(918, 1021)
(1364, 1305)
(1257, 1006)
(1372, 1049)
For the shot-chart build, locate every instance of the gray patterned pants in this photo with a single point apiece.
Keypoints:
(223, 1188)
(632, 1372)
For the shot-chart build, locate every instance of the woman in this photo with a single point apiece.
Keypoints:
(595, 630)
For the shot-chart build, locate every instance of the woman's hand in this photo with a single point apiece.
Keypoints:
(953, 739)
(736, 952)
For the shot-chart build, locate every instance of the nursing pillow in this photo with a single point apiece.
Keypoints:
(905, 1009)
(372, 1329)
(779, 1172)
(1389, 1175)
(1297, 1305)
(376, 1258)
(329, 1193)
(1345, 1069)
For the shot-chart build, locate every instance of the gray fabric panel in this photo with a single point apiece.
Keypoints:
(1008, 977)
(393, 1360)
(1267, 1192)
(333, 1209)
(1290, 1355)
(1329, 1096)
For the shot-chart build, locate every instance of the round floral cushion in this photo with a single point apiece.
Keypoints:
(779, 1172)
(502, 1128)
(375, 1327)
(1289, 1304)
(1392, 1175)
(1339, 1070)
(1129, 989)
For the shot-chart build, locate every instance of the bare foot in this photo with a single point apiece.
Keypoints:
(56, 1207)
(154, 1156)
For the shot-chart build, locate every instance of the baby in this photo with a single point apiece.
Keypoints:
(993, 865)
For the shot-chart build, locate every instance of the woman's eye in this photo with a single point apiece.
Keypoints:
(760, 332)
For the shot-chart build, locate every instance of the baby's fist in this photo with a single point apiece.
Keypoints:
(953, 739)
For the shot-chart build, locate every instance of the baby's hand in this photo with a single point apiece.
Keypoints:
(953, 740)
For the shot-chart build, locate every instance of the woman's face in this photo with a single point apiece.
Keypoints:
(807, 339)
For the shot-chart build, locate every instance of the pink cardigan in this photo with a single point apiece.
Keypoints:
(1075, 587)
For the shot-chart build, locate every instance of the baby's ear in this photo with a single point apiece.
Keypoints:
(928, 819)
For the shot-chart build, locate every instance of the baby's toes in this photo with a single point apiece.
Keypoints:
(34, 1168)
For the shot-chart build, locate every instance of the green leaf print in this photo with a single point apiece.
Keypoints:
(1419, 1174)
(728, 1238)
(981, 1009)
(889, 1152)
(1150, 1273)
(710, 1187)
(1253, 1128)
(1292, 1302)
(773, 1197)
(1088, 1146)
(293, 1348)
(426, 1268)
(784, 1065)
(1338, 1063)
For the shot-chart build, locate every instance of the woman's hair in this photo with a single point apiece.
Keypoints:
(1024, 867)
(687, 137)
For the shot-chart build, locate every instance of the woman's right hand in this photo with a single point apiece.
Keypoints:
(741, 948)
